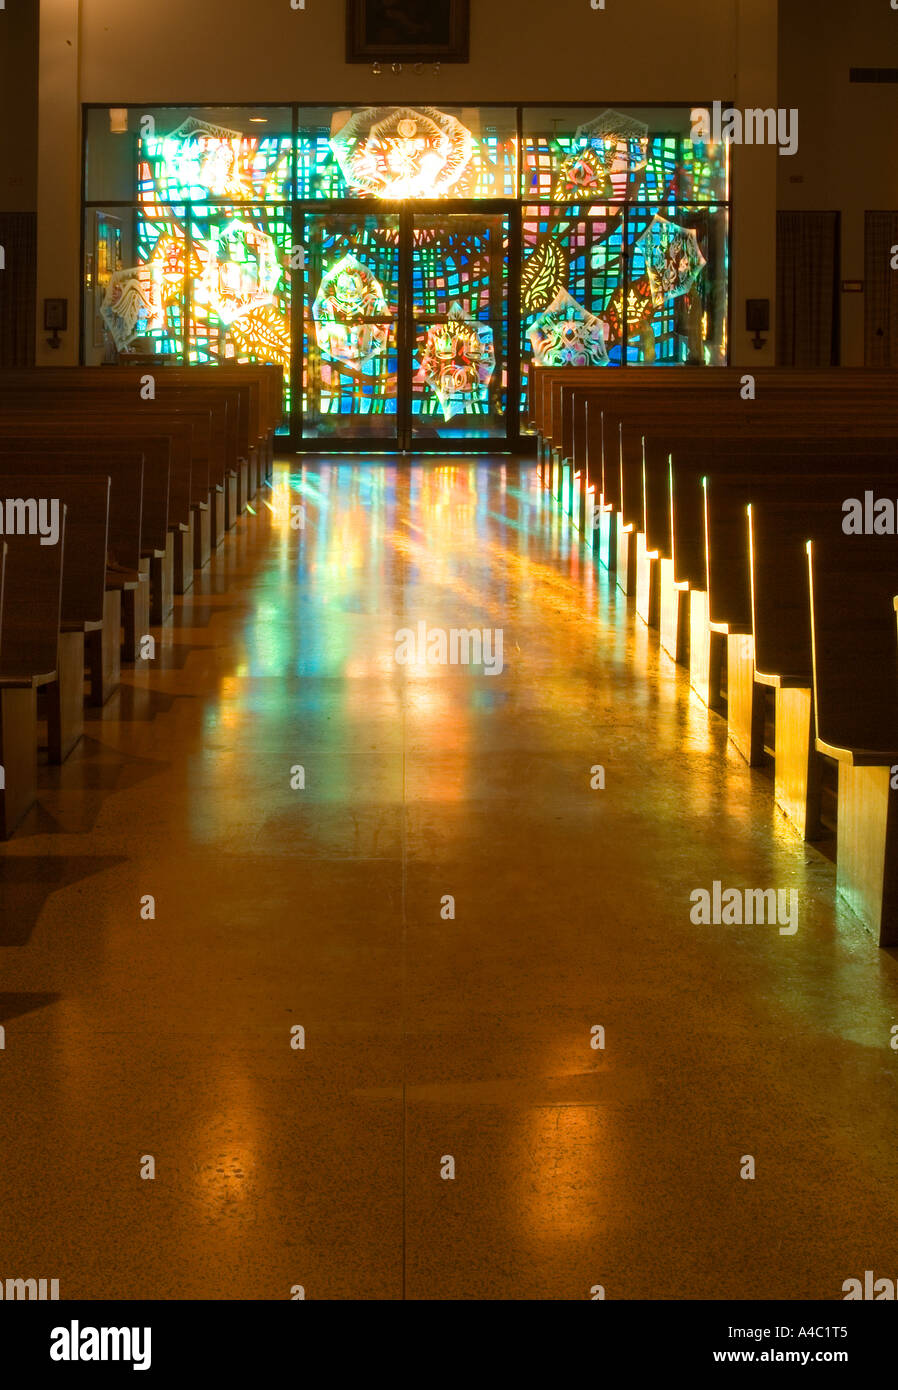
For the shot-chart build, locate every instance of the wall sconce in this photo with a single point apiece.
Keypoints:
(377, 69)
(118, 120)
(396, 69)
(757, 319)
(56, 312)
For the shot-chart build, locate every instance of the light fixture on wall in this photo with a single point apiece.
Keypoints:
(396, 69)
(258, 120)
(118, 120)
(377, 69)
(757, 320)
(56, 312)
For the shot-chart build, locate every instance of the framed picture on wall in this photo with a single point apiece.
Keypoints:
(107, 259)
(407, 31)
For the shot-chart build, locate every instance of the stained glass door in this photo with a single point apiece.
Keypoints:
(350, 344)
(459, 327)
(405, 328)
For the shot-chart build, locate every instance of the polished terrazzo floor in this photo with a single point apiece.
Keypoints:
(426, 1037)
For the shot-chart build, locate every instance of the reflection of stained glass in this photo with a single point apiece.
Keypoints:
(673, 258)
(567, 335)
(543, 276)
(457, 362)
(640, 308)
(128, 310)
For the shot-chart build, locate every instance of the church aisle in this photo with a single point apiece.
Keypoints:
(301, 808)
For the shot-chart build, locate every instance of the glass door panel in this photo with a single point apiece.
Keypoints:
(350, 327)
(459, 329)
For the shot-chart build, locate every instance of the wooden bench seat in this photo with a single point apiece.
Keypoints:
(728, 494)
(125, 587)
(85, 499)
(29, 653)
(168, 575)
(852, 582)
(685, 620)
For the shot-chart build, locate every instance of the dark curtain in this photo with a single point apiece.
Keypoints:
(880, 290)
(18, 282)
(807, 268)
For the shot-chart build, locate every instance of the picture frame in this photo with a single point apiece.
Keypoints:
(407, 31)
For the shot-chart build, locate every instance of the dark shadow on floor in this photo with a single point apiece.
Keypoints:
(15, 1005)
(27, 881)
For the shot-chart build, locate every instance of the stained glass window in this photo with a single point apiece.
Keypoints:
(634, 156)
(198, 223)
(238, 286)
(629, 238)
(199, 161)
(396, 152)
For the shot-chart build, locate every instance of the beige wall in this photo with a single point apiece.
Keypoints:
(234, 51)
(536, 50)
(847, 156)
(59, 175)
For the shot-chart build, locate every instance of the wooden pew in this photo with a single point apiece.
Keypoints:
(728, 493)
(625, 422)
(855, 673)
(674, 505)
(582, 401)
(261, 395)
(32, 600)
(779, 527)
(102, 646)
(86, 502)
(688, 568)
(556, 395)
(170, 450)
(252, 395)
(121, 420)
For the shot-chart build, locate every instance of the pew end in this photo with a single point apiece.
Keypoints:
(855, 672)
